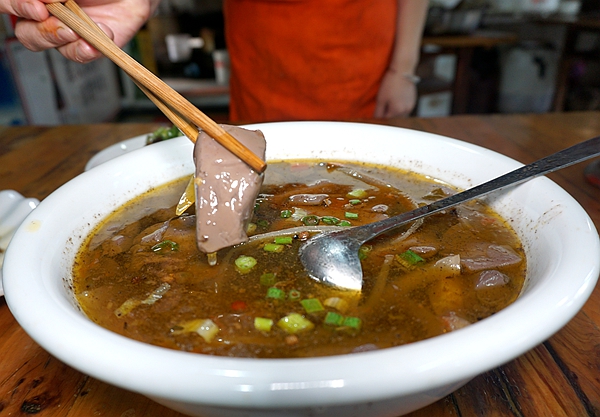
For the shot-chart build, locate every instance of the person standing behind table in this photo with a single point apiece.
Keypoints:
(323, 59)
(291, 59)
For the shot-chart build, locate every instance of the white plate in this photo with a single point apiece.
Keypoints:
(13, 210)
(115, 150)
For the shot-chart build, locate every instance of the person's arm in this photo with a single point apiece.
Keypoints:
(38, 30)
(398, 93)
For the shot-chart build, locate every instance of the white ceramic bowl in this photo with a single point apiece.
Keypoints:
(563, 265)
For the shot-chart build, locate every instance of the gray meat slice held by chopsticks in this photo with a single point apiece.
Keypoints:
(226, 189)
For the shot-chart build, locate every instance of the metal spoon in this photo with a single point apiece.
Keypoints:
(332, 258)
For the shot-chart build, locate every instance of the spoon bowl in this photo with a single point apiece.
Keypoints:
(332, 258)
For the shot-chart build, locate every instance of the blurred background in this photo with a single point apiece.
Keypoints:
(477, 56)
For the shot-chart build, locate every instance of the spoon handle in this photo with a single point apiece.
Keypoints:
(562, 159)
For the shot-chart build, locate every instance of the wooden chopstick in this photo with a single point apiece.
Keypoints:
(159, 89)
(183, 124)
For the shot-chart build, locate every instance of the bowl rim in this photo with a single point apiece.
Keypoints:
(272, 383)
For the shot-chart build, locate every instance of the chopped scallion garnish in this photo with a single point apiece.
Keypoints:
(311, 220)
(409, 259)
(357, 193)
(273, 247)
(268, 279)
(285, 214)
(344, 223)
(354, 202)
(330, 220)
(244, 264)
(295, 323)
(333, 319)
(353, 322)
(276, 293)
(312, 305)
(263, 324)
(364, 251)
(350, 215)
(283, 240)
(294, 294)
(165, 244)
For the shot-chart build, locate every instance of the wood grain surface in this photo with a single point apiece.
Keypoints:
(560, 377)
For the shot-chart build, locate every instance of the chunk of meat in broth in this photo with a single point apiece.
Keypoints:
(226, 189)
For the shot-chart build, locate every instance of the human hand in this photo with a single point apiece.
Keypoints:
(38, 30)
(397, 96)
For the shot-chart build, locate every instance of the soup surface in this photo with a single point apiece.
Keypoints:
(141, 275)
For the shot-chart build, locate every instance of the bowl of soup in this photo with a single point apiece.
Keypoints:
(105, 276)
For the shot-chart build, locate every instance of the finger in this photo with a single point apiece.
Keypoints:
(83, 52)
(29, 9)
(79, 51)
(50, 33)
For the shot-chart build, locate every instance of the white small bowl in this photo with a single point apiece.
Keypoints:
(13, 210)
(559, 238)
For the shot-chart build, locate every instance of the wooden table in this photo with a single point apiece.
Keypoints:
(560, 377)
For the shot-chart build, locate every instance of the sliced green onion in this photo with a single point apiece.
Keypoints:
(310, 220)
(244, 264)
(312, 305)
(353, 322)
(294, 294)
(330, 220)
(268, 279)
(345, 223)
(163, 133)
(285, 214)
(165, 244)
(338, 303)
(357, 193)
(276, 293)
(349, 215)
(354, 202)
(283, 240)
(333, 319)
(409, 259)
(273, 247)
(295, 323)
(364, 251)
(263, 324)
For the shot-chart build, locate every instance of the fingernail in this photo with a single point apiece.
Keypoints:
(65, 34)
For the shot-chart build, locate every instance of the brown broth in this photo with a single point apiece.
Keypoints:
(117, 271)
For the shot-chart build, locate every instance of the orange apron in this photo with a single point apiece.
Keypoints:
(307, 59)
